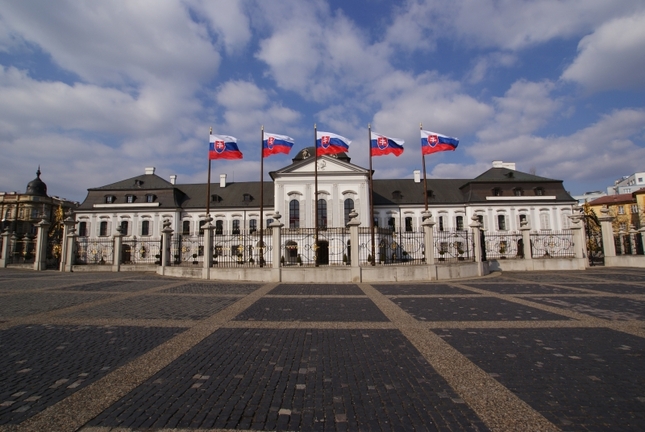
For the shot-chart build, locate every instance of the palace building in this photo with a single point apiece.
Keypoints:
(501, 198)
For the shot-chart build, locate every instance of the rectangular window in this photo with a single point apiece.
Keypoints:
(185, 228)
(481, 220)
(621, 210)
(634, 209)
(201, 226)
(82, 229)
(501, 222)
(440, 223)
(545, 222)
(145, 228)
(459, 222)
(150, 198)
(124, 227)
(253, 226)
(391, 223)
(408, 224)
(129, 199)
(236, 226)
(103, 226)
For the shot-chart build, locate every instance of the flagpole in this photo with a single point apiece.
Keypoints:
(262, 196)
(208, 185)
(370, 192)
(425, 181)
(316, 196)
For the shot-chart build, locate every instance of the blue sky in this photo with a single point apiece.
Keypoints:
(94, 92)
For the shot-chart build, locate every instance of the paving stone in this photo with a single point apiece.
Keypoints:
(593, 384)
(49, 374)
(238, 352)
(316, 289)
(419, 289)
(29, 303)
(213, 288)
(615, 288)
(519, 288)
(610, 308)
(313, 309)
(471, 309)
(159, 307)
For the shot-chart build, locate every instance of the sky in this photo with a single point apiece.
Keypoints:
(94, 92)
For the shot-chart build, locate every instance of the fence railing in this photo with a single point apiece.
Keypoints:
(141, 251)
(552, 244)
(628, 244)
(94, 250)
(241, 250)
(504, 245)
(390, 247)
(452, 246)
(299, 247)
(22, 250)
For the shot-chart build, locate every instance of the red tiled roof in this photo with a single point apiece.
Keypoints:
(613, 199)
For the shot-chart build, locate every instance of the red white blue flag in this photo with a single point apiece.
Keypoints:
(330, 143)
(381, 145)
(223, 147)
(274, 144)
(432, 142)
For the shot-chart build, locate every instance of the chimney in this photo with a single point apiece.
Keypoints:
(150, 170)
(173, 179)
(502, 164)
(417, 176)
(222, 180)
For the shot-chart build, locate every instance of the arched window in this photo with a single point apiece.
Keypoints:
(349, 206)
(294, 213)
(322, 213)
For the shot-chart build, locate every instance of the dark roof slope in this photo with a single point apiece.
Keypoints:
(613, 199)
(508, 175)
(143, 181)
(444, 191)
(231, 196)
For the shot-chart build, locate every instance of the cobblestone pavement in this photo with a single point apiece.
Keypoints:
(534, 351)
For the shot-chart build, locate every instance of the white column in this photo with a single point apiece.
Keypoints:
(428, 236)
(608, 245)
(41, 246)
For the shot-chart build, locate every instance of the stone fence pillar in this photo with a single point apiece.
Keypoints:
(70, 251)
(428, 236)
(525, 229)
(353, 224)
(4, 252)
(276, 228)
(166, 236)
(68, 226)
(608, 245)
(632, 239)
(208, 248)
(117, 241)
(579, 237)
(40, 263)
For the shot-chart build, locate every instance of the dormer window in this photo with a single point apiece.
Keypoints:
(150, 198)
(247, 197)
(497, 192)
(396, 195)
(129, 199)
(518, 192)
(539, 191)
(430, 193)
(216, 198)
(109, 199)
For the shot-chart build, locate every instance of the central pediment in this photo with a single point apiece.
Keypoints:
(326, 165)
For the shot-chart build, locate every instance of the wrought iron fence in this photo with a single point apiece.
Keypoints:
(141, 250)
(95, 251)
(299, 247)
(242, 250)
(452, 246)
(22, 249)
(552, 245)
(595, 250)
(187, 250)
(503, 245)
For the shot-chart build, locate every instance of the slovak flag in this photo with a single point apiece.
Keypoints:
(274, 144)
(432, 142)
(223, 147)
(330, 143)
(381, 145)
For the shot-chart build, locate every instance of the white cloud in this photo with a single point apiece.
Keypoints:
(594, 152)
(613, 57)
(317, 54)
(509, 25)
(525, 107)
(484, 64)
(228, 20)
(245, 104)
(119, 41)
